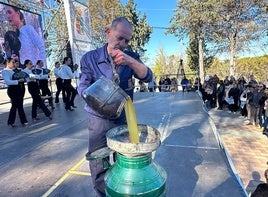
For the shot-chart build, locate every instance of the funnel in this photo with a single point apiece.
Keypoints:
(118, 140)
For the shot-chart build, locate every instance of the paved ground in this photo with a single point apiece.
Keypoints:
(184, 136)
(246, 146)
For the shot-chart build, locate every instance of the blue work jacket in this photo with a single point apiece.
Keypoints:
(95, 64)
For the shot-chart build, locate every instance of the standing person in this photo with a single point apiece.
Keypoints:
(151, 85)
(252, 81)
(43, 82)
(96, 64)
(184, 83)
(220, 94)
(234, 93)
(197, 84)
(253, 106)
(143, 87)
(265, 108)
(261, 98)
(67, 75)
(59, 83)
(33, 89)
(15, 91)
(32, 45)
(76, 75)
(161, 83)
(167, 83)
(174, 85)
(243, 101)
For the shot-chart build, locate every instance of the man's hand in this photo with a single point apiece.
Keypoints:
(119, 57)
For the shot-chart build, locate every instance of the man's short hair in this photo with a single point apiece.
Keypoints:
(120, 19)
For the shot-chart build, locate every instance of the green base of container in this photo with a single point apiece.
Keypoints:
(135, 176)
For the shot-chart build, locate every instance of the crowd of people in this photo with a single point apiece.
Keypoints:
(238, 95)
(248, 97)
(166, 84)
(37, 79)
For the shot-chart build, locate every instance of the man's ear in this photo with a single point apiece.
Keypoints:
(108, 29)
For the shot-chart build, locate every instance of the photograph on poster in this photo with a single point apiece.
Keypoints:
(21, 35)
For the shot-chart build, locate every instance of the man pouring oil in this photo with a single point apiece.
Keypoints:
(111, 61)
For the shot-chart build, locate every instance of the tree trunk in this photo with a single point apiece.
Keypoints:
(201, 60)
(232, 54)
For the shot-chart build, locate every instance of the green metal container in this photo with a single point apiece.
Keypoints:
(135, 176)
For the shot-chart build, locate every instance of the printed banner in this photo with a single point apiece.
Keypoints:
(78, 23)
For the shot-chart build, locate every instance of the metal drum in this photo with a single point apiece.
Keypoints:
(134, 173)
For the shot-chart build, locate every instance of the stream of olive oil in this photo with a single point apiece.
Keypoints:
(131, 122)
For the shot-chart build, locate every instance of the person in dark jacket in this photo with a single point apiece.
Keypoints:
(235, 94)
(220, 95)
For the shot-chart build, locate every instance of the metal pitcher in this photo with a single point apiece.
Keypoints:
(106, 98)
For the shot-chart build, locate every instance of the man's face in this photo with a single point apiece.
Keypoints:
(119, 37)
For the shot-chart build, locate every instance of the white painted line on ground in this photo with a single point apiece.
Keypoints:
(195, 147)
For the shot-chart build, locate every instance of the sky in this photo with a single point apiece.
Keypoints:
(158, 15)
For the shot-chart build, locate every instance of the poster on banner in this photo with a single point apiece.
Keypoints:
(21, 35)
(78, 22)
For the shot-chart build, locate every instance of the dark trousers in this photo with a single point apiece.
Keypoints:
(244, 111)
(220, 100)
(234, 107)
(70, 93)
(97, 128)
(43, 85)
(265, 122)
(59, 84)
(16, 94)
(37, 100)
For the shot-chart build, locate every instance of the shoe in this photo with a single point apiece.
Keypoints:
(246, 121)
(69, 109)
(25, 124)
(12, 125)
(36, 118)
(50, 117)
(73, 106)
